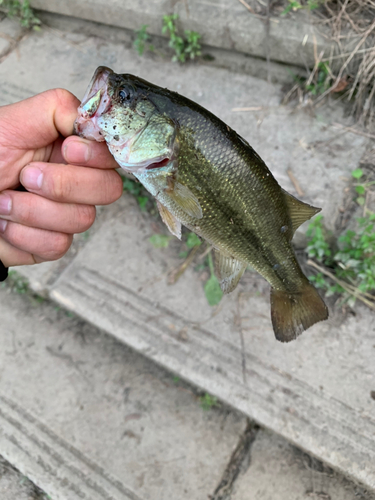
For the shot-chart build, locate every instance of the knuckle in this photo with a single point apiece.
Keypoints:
(59, 186)
(61, 244)
(113, 187)
(86, 216)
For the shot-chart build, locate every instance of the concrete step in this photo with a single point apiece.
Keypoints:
(293, 39)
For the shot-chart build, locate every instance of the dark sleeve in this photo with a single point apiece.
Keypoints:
(3, 272)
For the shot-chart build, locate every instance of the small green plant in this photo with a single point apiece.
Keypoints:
(192, 241)
(137, 190)
(361, 187)
(351, 261)
(207, 402)
(322, 79)
(295, 5)
(22, 10)
(18, 283)
(141, 42)
(212, 288)
(160, 240)
(184, 48)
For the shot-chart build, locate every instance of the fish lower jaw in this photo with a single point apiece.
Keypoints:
(144, 166)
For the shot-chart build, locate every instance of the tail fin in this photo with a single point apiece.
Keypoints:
(292, 313)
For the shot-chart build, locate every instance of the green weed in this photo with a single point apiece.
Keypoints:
(141, 42)
(18, 283)
(322, 80)
(184, 48)
(295, 5)
(22, 10)
(361, 187)
(207, 402)
(212, 288)
(160, 240)
(350, 260)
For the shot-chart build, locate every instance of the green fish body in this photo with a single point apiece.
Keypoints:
(209, 179)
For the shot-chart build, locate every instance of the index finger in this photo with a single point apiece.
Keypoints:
(78, 151)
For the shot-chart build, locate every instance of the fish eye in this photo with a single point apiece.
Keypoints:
(125, 95)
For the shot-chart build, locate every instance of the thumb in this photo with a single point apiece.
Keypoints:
(38, 121)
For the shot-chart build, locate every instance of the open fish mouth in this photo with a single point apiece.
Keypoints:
(96, 94)
(95, 102)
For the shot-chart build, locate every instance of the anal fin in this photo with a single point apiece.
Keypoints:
(169, 220)
(229, 271)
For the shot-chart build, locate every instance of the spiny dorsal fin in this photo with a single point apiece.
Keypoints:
(186, 200)
(229, 271)
(299, 211)
(169, 220)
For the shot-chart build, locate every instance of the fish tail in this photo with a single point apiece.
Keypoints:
(292, 313)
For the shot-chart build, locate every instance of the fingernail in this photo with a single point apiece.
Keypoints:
(5, 204)
(76, 152)
(32, 178)
(3, 225)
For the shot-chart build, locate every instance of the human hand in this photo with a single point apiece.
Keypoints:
(64, 179)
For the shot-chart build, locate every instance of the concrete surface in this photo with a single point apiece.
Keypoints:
(278, 470)
(15, 486)
(85, 417)
(117, 281)
(222, 23)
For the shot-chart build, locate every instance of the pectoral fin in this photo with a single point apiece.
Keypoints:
(229, 271)
(299, 211)
(186, 200)
(169, 220)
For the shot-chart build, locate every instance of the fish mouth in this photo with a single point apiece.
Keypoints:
(95, 102)
(97, 87)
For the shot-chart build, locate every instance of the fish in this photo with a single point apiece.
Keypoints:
(208, 178)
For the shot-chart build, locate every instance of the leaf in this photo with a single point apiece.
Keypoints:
(360, 200)
(213, 291)
(360, 189)
(357, 173)
(193, 240)
(159, 240)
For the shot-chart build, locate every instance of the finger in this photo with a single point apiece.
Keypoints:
(12, 256)
(77, 151)
(72, 184)
(43, 117)
(43, 245)
(36, 211)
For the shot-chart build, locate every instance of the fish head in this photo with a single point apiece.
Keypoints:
(119, 109)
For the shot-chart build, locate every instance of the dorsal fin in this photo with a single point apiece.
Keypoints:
(299, 211)
(229, 271)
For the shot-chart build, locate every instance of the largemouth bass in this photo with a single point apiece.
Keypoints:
(208, 178)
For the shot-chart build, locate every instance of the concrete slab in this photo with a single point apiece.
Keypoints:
(278, 470)
(222, 24)
(83, 416)
(10, 33)
(13, 485)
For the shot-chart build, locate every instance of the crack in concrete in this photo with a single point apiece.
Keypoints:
(239, 460)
